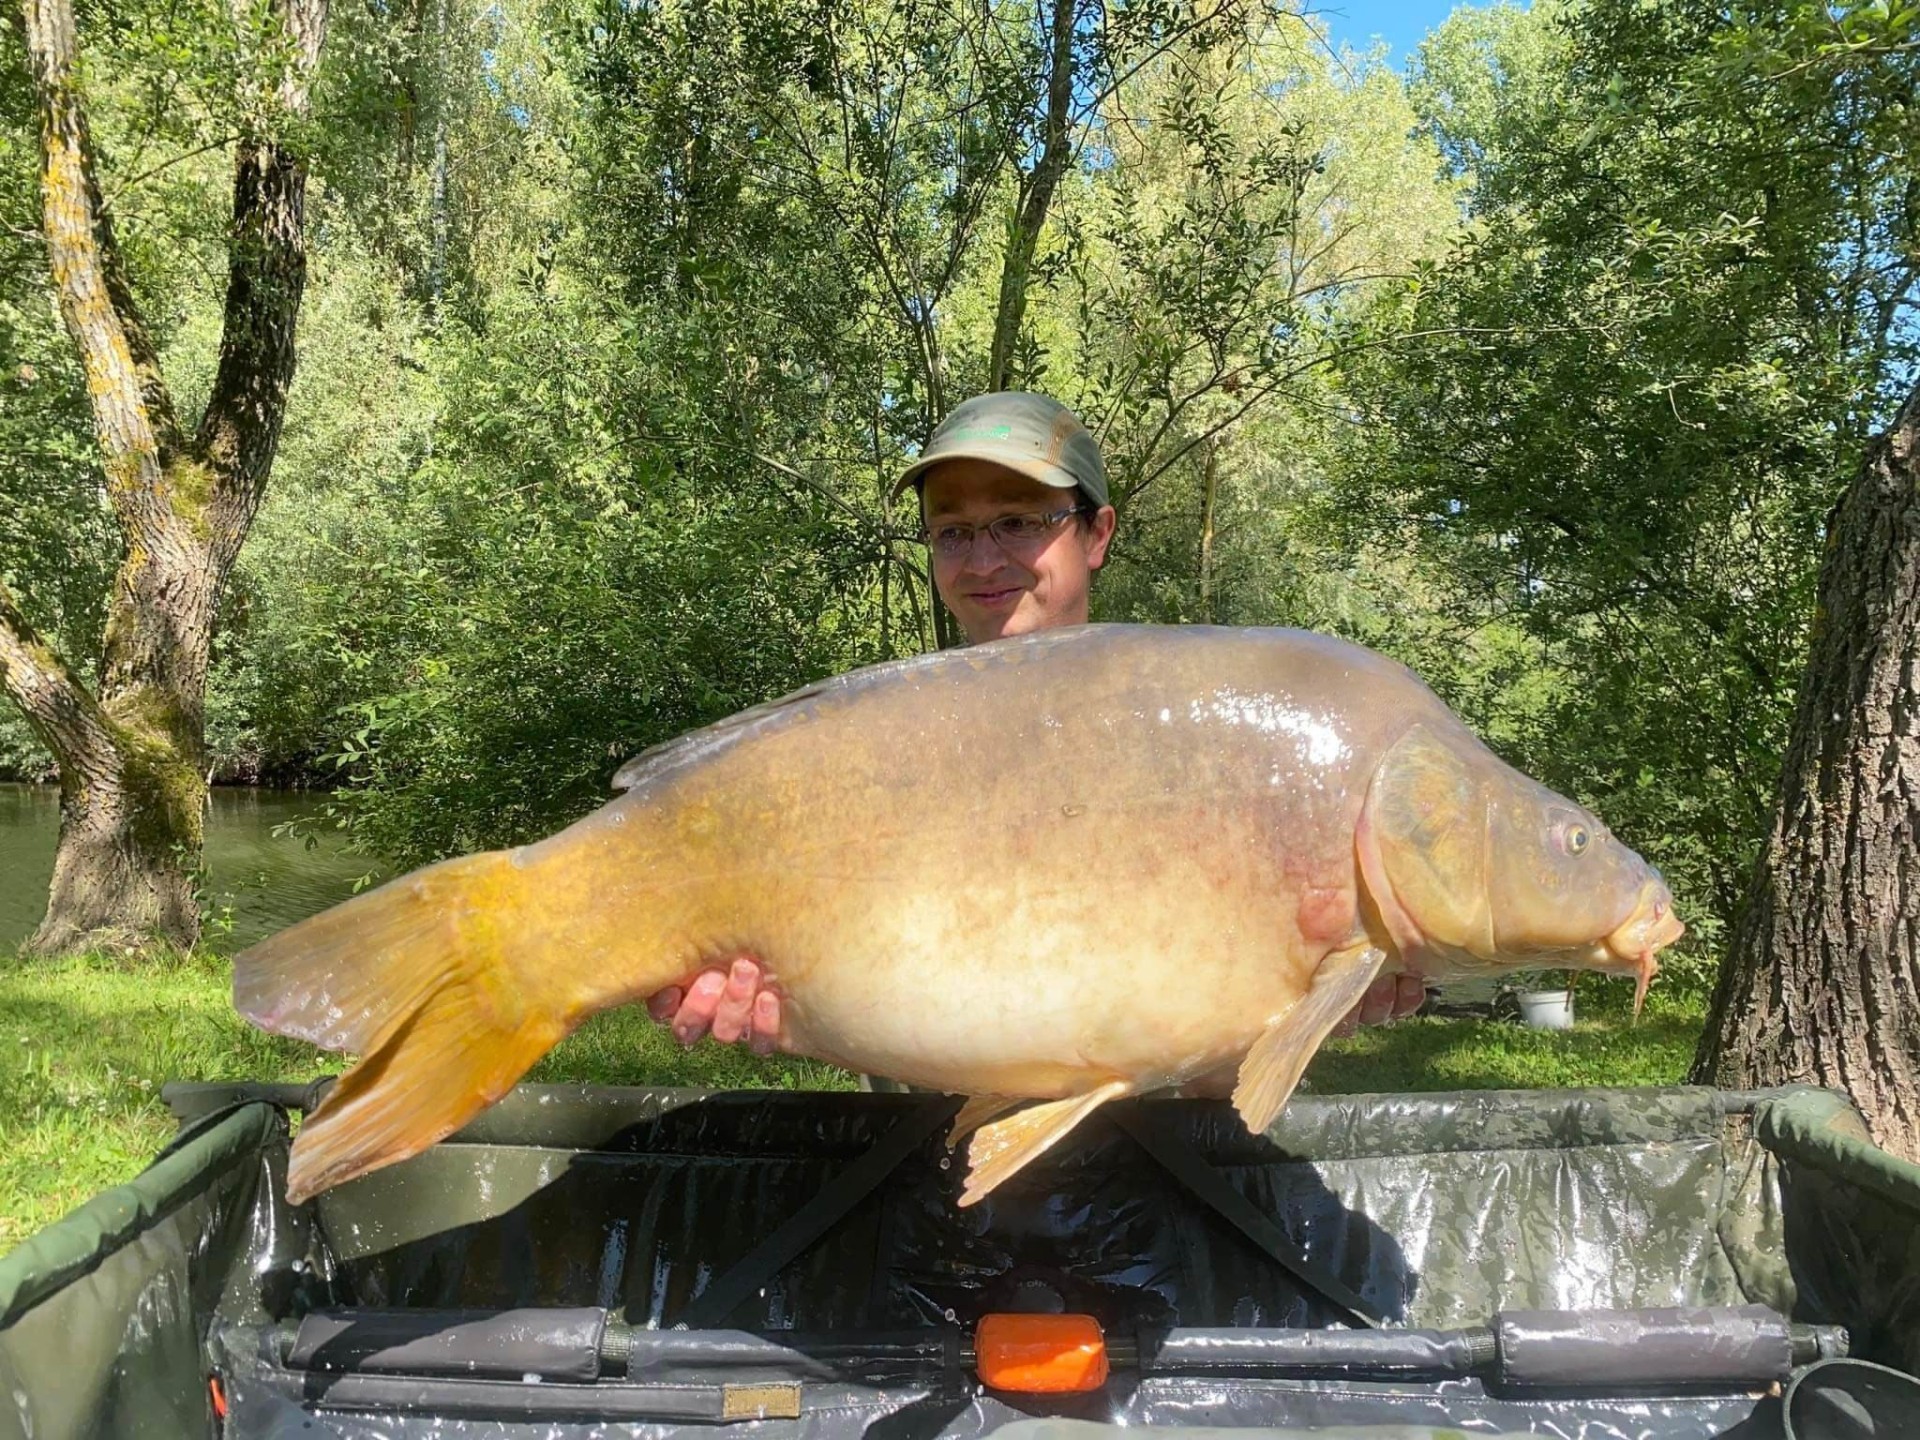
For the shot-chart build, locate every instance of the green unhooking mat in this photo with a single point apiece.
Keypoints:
(597, 1262)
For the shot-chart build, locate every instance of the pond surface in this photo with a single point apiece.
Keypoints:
(262, 884)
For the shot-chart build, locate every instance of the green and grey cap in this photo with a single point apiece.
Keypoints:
(1030, 434)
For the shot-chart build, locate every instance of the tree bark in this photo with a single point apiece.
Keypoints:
(132, 758)
(1821, 983)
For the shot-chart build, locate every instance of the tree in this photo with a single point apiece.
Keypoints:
(736, 257)
(1821, 984)
(1258, 196)
(131, 746)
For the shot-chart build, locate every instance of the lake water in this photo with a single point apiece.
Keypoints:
(266, 883)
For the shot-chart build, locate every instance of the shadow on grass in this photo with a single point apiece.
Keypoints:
(628, 1047)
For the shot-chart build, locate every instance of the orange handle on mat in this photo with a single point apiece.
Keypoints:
(1040, 1354)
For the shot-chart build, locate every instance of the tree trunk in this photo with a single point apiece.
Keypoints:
(132, 761)
(123, 875)
(1821, 983)
(117, 876)
(128, 857)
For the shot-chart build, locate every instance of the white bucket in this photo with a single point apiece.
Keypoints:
(1547, 1009)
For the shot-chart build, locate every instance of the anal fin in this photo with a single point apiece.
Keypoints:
(1274, 1065)
(1004, 1147)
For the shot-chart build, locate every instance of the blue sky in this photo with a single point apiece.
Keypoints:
(1401, 23)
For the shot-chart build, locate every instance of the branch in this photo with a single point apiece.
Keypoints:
(887, 537)
(863, 521)
(1280, 378)
(106, 206)
(66, 718)
(1058, 149)
(1846, 52)
(132, 412)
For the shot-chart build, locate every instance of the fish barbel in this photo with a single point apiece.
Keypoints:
(1064, 867)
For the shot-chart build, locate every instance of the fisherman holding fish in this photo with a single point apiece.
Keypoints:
(1064, 865)
(1015, 515)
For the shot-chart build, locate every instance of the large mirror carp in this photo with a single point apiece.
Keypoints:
(1064, 868)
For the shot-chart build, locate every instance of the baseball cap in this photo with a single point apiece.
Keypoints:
(1033, 435)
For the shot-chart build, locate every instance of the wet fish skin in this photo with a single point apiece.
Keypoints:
(1060, 868)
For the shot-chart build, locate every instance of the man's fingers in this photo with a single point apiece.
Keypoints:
(1376, 1006)
(696, 1011)
(1387, 999)
(1411, 994)
(663, 1003)
(734, 1014)
(765, 1035)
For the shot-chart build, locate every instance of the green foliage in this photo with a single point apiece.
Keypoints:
(1213, 276)
(559, 619)
(1686, 297)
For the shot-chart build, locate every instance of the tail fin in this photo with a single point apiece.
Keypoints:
(415, 979)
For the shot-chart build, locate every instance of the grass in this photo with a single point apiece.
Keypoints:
(1604, 1047)
(86, 1044)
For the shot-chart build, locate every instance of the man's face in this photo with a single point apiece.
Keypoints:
(992, 591)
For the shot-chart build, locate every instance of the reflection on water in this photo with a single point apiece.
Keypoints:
(264, 884)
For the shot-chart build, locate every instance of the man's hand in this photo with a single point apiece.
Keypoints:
(731, 1004)
(1389, 998)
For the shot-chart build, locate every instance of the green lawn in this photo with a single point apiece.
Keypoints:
(85, 1046)
(1607, 1048)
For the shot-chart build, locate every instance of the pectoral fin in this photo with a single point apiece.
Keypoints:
(1005, 1146)
(1272, 1067)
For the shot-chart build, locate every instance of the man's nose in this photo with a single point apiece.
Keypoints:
(983, 555)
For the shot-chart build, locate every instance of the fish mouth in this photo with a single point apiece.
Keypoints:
(1650, 928)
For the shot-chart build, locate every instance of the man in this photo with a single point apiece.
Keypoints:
(1015, 516)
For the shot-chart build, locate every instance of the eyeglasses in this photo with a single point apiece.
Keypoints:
(1016, 534)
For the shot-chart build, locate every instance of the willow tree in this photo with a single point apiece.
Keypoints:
(130, 742)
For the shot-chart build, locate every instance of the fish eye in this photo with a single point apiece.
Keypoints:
(1577, 839)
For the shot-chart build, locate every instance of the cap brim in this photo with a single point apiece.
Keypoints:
(1030, 466)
